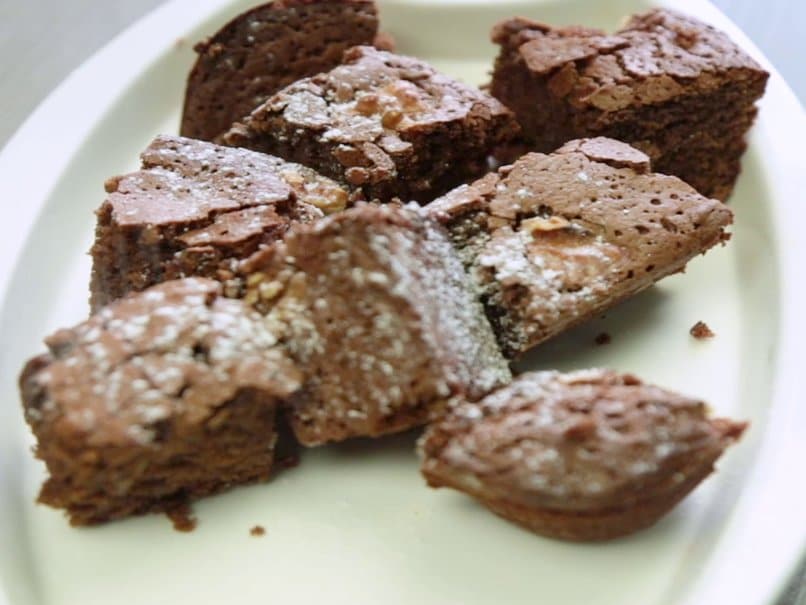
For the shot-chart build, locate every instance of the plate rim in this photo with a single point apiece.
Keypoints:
(762, 579)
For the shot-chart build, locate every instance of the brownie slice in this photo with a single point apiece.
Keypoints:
(386, 125)
(589, 455)
(162, 397)
(195, 209)
(379, 315)
(265, 49)
(553, 240)
(674, 87)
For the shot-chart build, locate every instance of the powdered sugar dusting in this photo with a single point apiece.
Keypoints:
(571, 441)
(178, 350)
(381, 314)
(554, 239)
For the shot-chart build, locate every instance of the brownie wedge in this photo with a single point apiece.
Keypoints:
(163, 397)
(385, 125)
(588, 455)
(197, 209)
(376, 310)
(265, 49)
(555, 239)
(668, 84)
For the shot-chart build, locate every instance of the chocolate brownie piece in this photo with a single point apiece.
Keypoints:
(589, 455)
(162, 397)
(195, 209)
(553, 240)
(380, 317)
(674, 87)
(265, 49)
(387, 125)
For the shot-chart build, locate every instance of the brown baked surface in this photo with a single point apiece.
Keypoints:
(162, 397)
(376, 310)
(384, 124)
(265, 49)
(196, 208)
(672, 86)
(554, 240)
(588, 455)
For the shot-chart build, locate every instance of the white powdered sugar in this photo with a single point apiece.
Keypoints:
(169, 353)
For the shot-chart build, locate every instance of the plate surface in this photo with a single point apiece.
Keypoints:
(355, 524)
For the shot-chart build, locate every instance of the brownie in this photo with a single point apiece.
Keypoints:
(385, 125)
(265, 49)
(589, 455)
(553, 240)
(196, 208)
(160, 398)
(376, 310)
(672, 86)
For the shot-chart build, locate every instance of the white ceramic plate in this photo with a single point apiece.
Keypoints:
(355, 523)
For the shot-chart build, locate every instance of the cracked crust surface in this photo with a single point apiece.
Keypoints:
(265, 49)
(165, 395)
(666, 83)
(196, 208)
(553, 240)
(376, 309)
(384, 124)
(586, 455)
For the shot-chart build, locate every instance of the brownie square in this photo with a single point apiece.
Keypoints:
(553, 240)
(376, 310)
(588, 455)
(265, 49)
(162, 397)
(386, 125)
(672, 86)
(195, 209)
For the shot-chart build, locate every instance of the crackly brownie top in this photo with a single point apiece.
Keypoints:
(657, 56)
(377, 98)
(569, 225)
(173, 353)
(597, 189)
(585, 440)
(188, 184)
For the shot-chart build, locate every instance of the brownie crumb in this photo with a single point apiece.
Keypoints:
(182, 517)
(257, 531)
(701, 331)
(290, 461)
(603, 339)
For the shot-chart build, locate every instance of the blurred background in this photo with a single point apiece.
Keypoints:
(41, 41)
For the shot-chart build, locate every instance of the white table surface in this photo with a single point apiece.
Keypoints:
(41, 41)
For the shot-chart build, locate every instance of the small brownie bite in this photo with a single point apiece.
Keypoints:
(377, 312)
(554, 240)
(384, 124)
(195, 209)
(163, 397)
(588, 455)
(265, 49)
(672, 86)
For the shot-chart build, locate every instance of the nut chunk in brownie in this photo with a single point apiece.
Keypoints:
(162, 397)
(674, 87)
(380, 317)
(555, 239)
(265, 49)
(589, 455)
(386, 125)
(196, 208)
